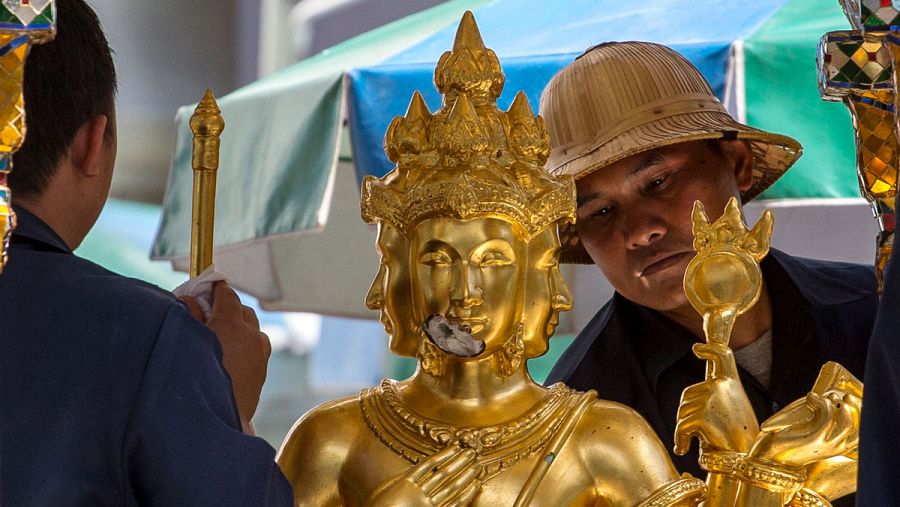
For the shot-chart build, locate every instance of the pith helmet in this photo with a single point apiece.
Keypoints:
(623, 98)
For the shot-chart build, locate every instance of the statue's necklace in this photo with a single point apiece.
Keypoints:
(497, 448)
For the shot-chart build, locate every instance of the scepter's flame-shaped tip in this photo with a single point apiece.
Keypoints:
(732, 207)
(699, 216)
(467, 35)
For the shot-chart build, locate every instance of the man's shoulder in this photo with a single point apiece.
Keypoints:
(861, 276)
(89, 272)
(128, 300)
(829, 283)
(53, 272)
(78, 297)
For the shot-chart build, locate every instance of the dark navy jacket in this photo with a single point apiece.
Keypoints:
(112, 394)
(822, 311)
(879, 439)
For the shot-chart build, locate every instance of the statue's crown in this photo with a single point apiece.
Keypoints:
(469, 158)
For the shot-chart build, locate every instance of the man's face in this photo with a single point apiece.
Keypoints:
(634, 216)
(468, 272)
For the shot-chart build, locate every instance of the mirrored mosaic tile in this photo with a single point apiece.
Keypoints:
(851, 62)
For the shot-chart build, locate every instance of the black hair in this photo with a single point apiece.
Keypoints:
(68, 81)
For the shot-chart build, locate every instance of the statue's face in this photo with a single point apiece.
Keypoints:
(546, 292)
(389, 292)
(468, 271)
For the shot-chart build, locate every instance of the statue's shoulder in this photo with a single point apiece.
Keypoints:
(614, 441)
(592, 420)
(326, 425)
(337, 409)
(620, 430)
(594, 413)
(615, 420)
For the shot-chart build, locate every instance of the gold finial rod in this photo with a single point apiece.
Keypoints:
(207, 125)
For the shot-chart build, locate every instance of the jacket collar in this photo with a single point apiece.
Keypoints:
(31, 229)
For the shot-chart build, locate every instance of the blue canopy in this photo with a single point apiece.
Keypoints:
(534, 42)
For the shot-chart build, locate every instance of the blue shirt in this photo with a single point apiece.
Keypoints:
(111, 393)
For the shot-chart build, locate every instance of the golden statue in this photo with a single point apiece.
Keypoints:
(469, 284)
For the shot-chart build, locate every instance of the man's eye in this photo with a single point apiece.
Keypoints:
(601, 212)
(657, 182)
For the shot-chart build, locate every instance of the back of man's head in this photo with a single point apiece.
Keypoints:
(68, 81)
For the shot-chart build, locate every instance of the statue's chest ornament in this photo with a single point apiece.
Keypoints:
(498, 448)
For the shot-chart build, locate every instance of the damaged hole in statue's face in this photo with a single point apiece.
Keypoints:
(451, 338)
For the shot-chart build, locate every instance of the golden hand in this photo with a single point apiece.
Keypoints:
(811, 429)
(446, 478)
(716, 410)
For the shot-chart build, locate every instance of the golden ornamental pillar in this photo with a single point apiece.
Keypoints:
(22, 24)
(207, 125)
(857, 68)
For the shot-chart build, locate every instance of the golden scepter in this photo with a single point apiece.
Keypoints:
(207, 125)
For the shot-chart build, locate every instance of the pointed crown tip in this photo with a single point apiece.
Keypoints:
(467, 34)
(469, 142)
(417, 106)
(521, 106)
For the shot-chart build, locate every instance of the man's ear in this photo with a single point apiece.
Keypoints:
(742, 155)
(86, 147)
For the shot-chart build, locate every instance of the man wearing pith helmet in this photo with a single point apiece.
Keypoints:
(644, 136)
